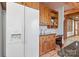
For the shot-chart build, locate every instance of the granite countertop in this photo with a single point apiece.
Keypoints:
(71, 50)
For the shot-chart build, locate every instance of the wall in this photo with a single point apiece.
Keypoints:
(60, 20)
(4, 32)
(0, 30)
(72, 32)
(60, 30)
(45, 30)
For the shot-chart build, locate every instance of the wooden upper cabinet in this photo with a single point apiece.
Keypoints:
(55, 16)
(34, 5)
(44, 14)
(41, 6)
(47, 15)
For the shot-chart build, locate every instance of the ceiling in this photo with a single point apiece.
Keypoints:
(71, 8)
(67, 5)
(56, 5)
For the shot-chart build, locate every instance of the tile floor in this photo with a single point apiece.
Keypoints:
(68, 41)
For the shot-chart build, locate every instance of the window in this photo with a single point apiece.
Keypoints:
(69, 25)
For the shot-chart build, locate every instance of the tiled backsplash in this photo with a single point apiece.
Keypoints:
(44, 30)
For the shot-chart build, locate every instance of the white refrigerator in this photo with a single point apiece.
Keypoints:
(31, 32)
(22, 31)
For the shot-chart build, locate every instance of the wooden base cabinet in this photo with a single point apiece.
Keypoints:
(53, 41)
(43, 45)
(47, 43)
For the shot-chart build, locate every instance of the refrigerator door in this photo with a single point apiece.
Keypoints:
(31, 32)
(14, 30)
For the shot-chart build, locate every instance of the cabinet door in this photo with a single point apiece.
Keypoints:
(43, 45)
(45, 15)
(42, 13)
(31, 32)
(47, 20)
(14, 30)
(52, 41)
(49, 17)
(49, 44)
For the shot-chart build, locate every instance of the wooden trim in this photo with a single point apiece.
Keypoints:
(71, 11)
(74, 28)
(54, 11)
(65, 28)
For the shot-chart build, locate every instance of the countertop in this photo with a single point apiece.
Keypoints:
(48, 34)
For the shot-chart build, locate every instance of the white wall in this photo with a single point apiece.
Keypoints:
(4, 33)
(60, 20)
(0, 30)
(72, 32)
